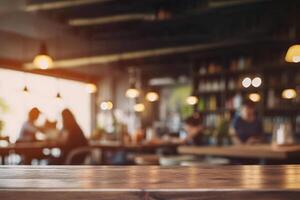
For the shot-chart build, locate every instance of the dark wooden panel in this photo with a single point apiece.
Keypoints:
(150, 182)
(293, 195)
(245, 151)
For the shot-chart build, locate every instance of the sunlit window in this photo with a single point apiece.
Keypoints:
(42, 92)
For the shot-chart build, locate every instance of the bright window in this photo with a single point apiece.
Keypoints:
(42, 92)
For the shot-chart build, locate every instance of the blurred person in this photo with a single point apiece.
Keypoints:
(194, 129)
(72, 133)
(246, 128)
(29, 128)
(72, 138)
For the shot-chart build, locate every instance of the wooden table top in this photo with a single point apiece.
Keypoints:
(93, 144)
(132, 146)
(245, 151)
(149, 182)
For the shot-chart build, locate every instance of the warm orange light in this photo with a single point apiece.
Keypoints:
(293, 54)
(255, 97)
(132, 93)
(289, 94)
(106, 105)
(43, 61)
(91, 88)
(152, 96)
(192, 100)
(139, 107)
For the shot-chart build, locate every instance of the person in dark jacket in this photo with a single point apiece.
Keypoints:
(194, 129)
(246, 127)
(73, 136)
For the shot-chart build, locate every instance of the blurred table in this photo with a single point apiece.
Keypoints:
(108, 147)
(150, 182)
(245, 151)
(29, 149)
(144, 146)
(36, 150)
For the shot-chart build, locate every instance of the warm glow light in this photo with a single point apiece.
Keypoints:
(289, 94)
(132, 93)
(91, 88)
(106, 105)
(43, 62)
(139, 107)
(246, 82)
(191, 100)
(152, 96)
(255, 97)
(256, 82)
(293, 54)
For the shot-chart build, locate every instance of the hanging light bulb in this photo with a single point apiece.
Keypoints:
(192, 100)
(43, 60)
(246, 82)
(152, 96)
(256, 82)
(255, 97)
(25, 89)
(293, 54)
(91, 88)
(139, 107)
(58, 96)
(289, 94)
(132, 92)
(106, 105)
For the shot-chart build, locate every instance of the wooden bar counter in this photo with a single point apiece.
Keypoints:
(150, 182)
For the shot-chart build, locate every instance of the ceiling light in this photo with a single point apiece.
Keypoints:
(293, 54)
(43, 60)
(289, 94)
(25, 89)
(139, 107)
(246, 82)
(58, 96)
(132, 93)
(106, 105)
(91, 88)
(256, 82)
(255, 97)
(152, 96)
(192, 100)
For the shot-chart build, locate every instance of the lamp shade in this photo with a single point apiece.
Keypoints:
(43, 60)
(152, 96)
(293, 54)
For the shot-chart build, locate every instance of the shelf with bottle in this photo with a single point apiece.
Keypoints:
(218, 111)
(270, 122)
(209, 103)
(281, 112)
(243, 65)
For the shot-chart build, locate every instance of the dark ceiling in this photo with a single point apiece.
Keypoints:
(151, 34)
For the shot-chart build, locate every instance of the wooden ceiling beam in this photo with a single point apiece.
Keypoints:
(53, 5)
(142, 54)
(110, 19)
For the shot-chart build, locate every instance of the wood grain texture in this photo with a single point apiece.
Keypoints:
(150, 182)
(245, 151)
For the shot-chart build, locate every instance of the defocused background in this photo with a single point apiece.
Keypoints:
(134, 71)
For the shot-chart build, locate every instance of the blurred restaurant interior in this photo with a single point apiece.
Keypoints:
(149, 82)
